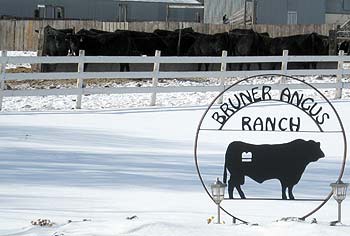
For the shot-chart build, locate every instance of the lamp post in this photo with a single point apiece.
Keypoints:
(339, 193)
(218, 193)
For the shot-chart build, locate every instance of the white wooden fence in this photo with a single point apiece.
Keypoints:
(156, 74)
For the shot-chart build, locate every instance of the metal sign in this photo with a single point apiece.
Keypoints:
(269, 131)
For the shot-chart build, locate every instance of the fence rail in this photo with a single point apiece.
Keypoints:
(157, 60)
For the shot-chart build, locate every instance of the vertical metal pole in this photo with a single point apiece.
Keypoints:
(339, 212)
(167, 13)
(338, 91)
(155, 77)
(218, 213)
(254, 12)
(245, 14)
(332, 42)
(80, 81)
(178, 49)
(222, 79)
(3, 75)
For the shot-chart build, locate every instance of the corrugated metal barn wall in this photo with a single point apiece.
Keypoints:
(214, 10)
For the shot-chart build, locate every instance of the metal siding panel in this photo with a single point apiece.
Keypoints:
(311, 11)
(337, 6)
(214, 10)
(19, 8)
(138, 11)
(292, 5)
(272, 12)
(92, 9)
(182, 14)
(347, 5)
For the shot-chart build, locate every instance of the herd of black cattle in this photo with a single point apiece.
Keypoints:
(185, 42)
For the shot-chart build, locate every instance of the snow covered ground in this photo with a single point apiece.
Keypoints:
(96, 168)
(91, 171)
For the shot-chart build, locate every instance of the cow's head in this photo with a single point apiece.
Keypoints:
(74, 42)
(314, 149)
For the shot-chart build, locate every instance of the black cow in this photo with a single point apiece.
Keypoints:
(54, 44)
(285, 162)
(105, 44)
(54, 41)
(247, 42)
(302, 44)
(209, 45)
(95, 32)
(178, 42)
(144, 43)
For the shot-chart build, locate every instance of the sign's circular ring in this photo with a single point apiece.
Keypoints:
(293, 78)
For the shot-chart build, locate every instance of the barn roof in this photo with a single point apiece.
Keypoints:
(165, 1)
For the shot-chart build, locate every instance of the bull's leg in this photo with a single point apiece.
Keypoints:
(241, 194)
(284, 188)
(230, 189)
(290, 192)
(206, 66)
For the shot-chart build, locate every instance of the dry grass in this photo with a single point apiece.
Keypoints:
(72, 83)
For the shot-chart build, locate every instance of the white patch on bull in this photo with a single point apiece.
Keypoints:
(247, 157)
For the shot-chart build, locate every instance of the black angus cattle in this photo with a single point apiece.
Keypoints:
(92, 32)
(178, 42)
(170, 40)
(83, 32)
(247, 42)
(302, 44)
(187, 39)
(144, 43)
(285, 162)
(105, 44)
(54, 44)
(209, 45)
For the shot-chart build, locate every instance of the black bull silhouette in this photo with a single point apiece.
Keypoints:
(285, 162)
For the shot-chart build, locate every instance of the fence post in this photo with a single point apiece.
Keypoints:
(222, 79)
(80, 81)
(3, 75)
(338, 91)
(155, 77)
(284, 65)
(332, 42)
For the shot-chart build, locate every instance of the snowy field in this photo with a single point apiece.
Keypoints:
(109, 170)
(88, 171)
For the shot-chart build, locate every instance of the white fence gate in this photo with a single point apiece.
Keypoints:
(156, 74)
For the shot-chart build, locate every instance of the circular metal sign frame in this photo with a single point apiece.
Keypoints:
(265, 75)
